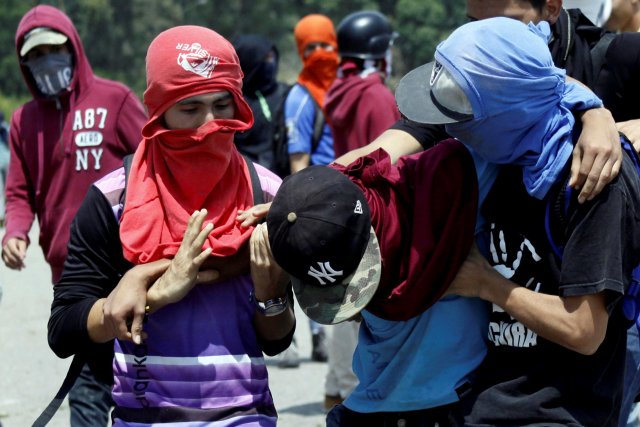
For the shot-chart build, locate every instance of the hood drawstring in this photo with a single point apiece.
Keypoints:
(60, 126)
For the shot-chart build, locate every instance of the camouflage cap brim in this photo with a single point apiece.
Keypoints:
(340, 302)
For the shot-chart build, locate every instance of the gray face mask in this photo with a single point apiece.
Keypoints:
(51, 72)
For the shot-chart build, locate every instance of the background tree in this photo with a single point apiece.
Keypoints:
(116, 33)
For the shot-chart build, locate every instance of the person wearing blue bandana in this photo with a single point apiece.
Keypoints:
(557, 333)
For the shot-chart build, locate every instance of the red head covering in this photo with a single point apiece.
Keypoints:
(321, 67)
(176, 172)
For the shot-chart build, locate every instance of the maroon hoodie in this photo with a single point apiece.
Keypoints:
(59, 146)
(359, 110)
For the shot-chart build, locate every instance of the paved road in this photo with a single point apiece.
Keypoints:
(30, 373)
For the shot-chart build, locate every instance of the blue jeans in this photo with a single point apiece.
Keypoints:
(89, 401)
(631, 375)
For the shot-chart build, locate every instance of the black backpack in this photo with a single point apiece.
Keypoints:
(280, 136)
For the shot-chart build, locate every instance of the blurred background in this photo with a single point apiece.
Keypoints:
(116, 33)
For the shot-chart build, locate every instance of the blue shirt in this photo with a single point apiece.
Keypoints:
(419, 363)
(300, 112)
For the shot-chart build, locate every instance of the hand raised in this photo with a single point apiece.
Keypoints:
(184, 271)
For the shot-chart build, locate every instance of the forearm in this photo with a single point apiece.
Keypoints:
(159, 295)
(96, 327)
(299, 161)
(274, 327)
(577, 323)
(395, 142)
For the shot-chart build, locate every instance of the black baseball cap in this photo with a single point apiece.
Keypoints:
(320, 233)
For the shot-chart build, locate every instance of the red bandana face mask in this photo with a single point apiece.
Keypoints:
(176, 172)
(321, 67)
(320, 70)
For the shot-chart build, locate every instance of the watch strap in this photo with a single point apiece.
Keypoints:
(271, 307)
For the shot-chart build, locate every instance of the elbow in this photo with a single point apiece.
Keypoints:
(586, 339)
(56, 341)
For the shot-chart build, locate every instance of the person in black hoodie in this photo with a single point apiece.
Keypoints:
(264, 94)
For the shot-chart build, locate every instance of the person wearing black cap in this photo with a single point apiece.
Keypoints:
(557, 332)
(380, 243)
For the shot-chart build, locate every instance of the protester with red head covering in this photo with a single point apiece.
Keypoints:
(200, 358)
(308, 135)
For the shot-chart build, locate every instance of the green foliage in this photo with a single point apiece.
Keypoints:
(116, 33)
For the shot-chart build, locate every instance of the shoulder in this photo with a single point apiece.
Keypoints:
(112, 187)
(112, 91)
(269, 181)
(113, 85)
(298, 103)
(298, 94)
(624, 49)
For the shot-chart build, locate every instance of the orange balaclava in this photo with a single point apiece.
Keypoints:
(320, 68)
(177, 171)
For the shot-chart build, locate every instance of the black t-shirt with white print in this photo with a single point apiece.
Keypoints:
(526, 380)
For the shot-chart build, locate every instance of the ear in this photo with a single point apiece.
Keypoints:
(551, 11)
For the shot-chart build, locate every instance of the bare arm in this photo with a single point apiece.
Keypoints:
(155, 284)
(577, 323)
(395, 142)
(120, 315)
(269, 281)
(299, 161)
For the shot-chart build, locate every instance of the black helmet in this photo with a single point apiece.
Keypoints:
(365, 35)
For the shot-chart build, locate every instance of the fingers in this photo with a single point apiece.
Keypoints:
(194, 226)
(199, 260)
(207, 276)
(202, 237)
(592, 168)
(258, 238)
(577, 174)
(14, 252)
(136, 326)
(252, 215)
(120, 329)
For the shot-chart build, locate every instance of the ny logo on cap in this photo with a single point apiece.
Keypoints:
(326, 272)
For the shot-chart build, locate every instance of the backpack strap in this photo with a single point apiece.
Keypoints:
(72, 374)
(318, 121)
(126, 163)
(598, 53)
(318, 126)
(258, 196)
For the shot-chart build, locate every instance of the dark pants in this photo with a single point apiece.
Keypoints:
(89, 401)
(341, 416)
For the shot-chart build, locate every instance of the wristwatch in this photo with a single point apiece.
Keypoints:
(271, 307)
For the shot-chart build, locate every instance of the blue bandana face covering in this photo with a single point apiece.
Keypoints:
(521, 103)
(52, 72)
